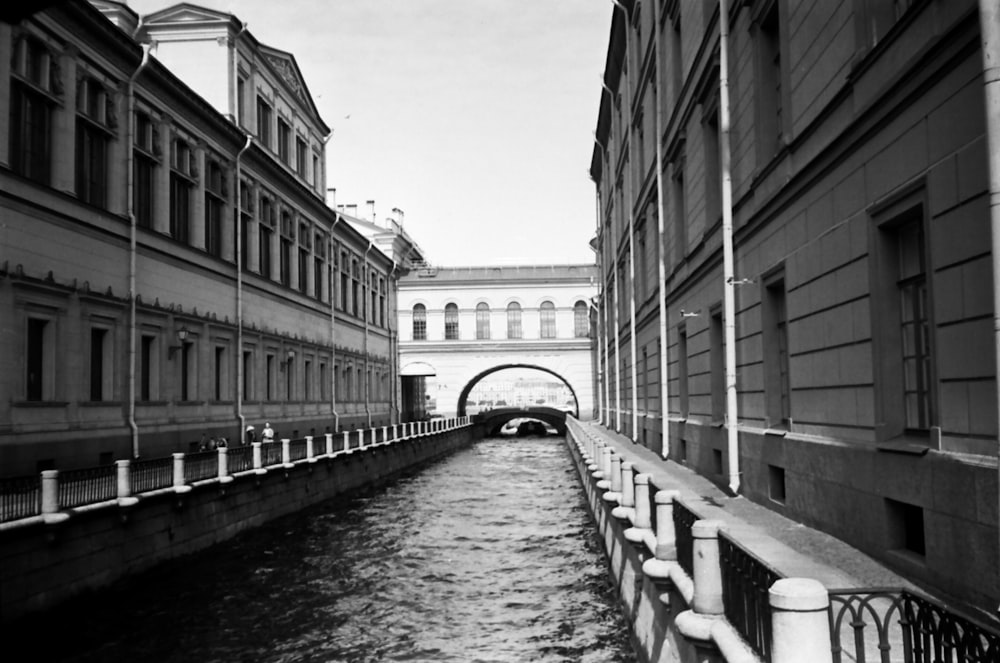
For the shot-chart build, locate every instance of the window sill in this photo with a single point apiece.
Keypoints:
(776, 432)
(40, 404)
(905, 445)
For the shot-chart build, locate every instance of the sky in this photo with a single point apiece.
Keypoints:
(474, 117)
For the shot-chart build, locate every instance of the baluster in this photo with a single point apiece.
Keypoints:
(179, 485)
(707, 571)
(329, 444)
(224, 465)
(800, 624)
(310, 455)
(286, 452)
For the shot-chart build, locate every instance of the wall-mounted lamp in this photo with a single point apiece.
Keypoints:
(182, 335)
(289, 357)
(690, 314)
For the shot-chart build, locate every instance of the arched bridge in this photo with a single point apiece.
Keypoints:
(495, 419)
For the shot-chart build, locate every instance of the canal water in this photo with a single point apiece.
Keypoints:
(488, 555)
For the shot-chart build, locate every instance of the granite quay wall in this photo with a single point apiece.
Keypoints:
(64, 550)
(700, 586)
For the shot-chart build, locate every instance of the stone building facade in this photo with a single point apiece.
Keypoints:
(169, 268)
(864, 371)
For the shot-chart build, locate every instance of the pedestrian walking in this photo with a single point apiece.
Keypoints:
(250, 436)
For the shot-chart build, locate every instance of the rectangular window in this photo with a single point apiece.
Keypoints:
(215, 191)
(241, 102)
(285, 249)
(264, 123)
(775, 325)
(100, 364)
(31, 111)
(324, 378)
(547, 316)
(248, 393)
(355, 289)
(344, 281)
(914, 325)
(181, 190)
(307, 380)
(680, 211)
(148, 369)
(682, 372)
(514, 321)
(144, 167)
(381, 302)
(91, 162)
(713, 181)
(319, 260)
(482, 321)
(269, 377)
(284, 140)
(769, 93)
(717, 366)
(265, 236)
(40, 360)
(188, 390)
(451, 322)
(246, 221)
(300, 156)
(373, 296)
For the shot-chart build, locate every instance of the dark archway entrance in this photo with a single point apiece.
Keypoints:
(467, 389)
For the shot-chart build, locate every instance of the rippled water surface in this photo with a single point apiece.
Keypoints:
(488, 555)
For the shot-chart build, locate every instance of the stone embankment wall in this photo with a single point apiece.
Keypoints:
(44, 561)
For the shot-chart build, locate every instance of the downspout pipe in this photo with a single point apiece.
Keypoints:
(614, 320)
(394, 416)
(602, 359)
(661, 263)
(333, 325)
(132, 245)
(729, 298)
(630, 186)
(240, 396)
(365, 305)
(989, 21)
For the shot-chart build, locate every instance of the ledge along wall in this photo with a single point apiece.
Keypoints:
(43, 564)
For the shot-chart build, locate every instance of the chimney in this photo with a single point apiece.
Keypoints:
(333, 197)
(352, 210)
(371, 209)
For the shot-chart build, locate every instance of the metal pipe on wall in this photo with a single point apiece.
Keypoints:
(661, 263)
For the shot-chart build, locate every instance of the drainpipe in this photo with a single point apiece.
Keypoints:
(333, 323)
(661, 263)
(393, 346)
(989, 21)
(366, 295)
(618, 342)
(130, 206)
(630, 186)
(601, 367)
(729, 303)
(239, 290)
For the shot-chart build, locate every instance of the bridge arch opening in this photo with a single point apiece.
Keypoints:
(573, 406)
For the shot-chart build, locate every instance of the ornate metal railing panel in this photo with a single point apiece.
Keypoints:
(152, 474)
(684, 519)
(893, 625)
(86, 486)
(200, 466)
(270, 454)
(297, 450)
(240, 459)
(20, 497)
(746, 580)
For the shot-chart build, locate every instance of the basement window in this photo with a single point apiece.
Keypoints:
(905, 527)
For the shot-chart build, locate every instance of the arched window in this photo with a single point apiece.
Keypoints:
(419, 322)
(451, 322)
(514, 320)
(482, 321)
(547, 315)
(581, 321)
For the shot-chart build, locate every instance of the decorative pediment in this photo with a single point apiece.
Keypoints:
(186, 13)
(284, 65)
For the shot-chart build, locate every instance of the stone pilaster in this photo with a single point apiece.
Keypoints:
(6, 44)
(161, 178)
(197, 237)
(64, 127)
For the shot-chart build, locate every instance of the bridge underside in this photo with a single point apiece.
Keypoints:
(496, 419)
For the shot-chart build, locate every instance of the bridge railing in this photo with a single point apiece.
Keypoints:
(26, 498)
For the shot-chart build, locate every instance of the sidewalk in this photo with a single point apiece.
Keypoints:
(790, 547)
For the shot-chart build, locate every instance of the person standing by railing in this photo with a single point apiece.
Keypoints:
(250, 436)
(267, 435)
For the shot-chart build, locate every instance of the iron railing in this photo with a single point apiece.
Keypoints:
(684, 519)
(20, 497)
(746, 580)
(297, 450)
(893, 625)
(152, 474)
(270, 454)
(87, 486)
(201, 465)
(240, 459)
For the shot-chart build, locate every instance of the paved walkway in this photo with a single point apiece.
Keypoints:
(790, 547)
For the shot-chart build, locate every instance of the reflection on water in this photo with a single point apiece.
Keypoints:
(488, 555)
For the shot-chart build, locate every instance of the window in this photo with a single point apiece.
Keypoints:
(241, 103)
(324, 378)
(682, 372)
(284, 140)
(547, 318)
(345, 277)
(356, 301)
(903, 322)
(769, 92)
(182, 173)
(713, 181)
(100, 364)
(264, 122)
(319, 260)
(287, 238)
(514, 320)
(248, 392)
(641, 265)
(269, 377)
(265, 237)
(93, 136)
(775, 326)
(215, 204)
(188, 367)
(482, 321)
(581, 320)
(144, 169)
(680, 212)
(300, 156)
(307, 380)
(220, 369)
(40, 360)
(717, 366)
(289, 367)
(316, 172)
(305, 247)
(246, 222)
(373, 296)
(381, 301)
(149, 366)
(451, 322)
(676, 52)
(419, 322)
(31, 111)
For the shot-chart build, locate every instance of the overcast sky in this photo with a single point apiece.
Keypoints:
(475, 117)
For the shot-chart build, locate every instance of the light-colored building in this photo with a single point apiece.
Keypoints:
(461, 324)
(864, 360)
(135, 318)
